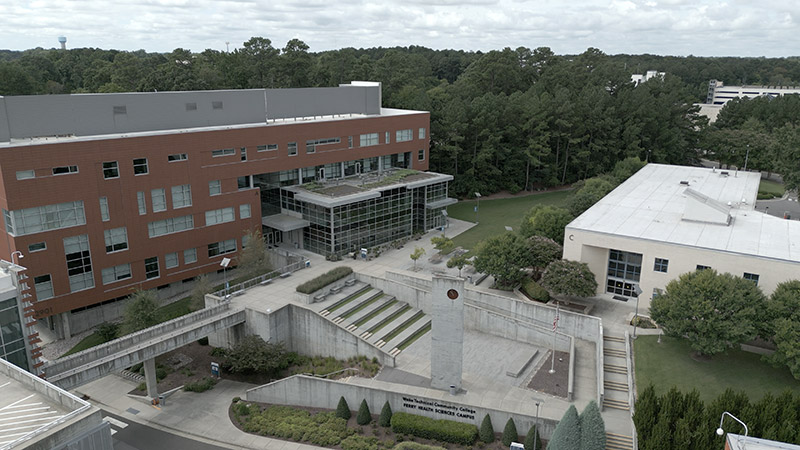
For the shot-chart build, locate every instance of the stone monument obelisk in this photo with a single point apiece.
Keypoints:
(447, 332)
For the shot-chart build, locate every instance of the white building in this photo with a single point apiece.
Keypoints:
(719, 95)
(641, 78)
(668, 220)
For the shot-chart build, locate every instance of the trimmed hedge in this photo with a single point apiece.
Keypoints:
(325, 279)
(385, 419)
(415, 446)
(200, 386)
(440, 430)
(535, 291)
(510, 432)
(343, 409)
(364, 416)
(487, 430)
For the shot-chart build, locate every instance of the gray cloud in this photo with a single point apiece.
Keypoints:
(679, 27)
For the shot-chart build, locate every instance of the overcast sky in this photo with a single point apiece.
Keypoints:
(666, 27)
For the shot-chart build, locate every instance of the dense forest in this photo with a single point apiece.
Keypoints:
(508, 119)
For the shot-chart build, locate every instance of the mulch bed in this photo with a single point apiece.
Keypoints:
(553, 383)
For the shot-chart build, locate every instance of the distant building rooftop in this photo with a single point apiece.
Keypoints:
(738, 442)
(692, 206)
(34, 119)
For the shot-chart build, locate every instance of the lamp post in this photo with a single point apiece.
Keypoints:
(720, 431)
(555, 327)
(538, 402)
(477, 206)
(636, 291)
(746, 156)
(19, 256)
(224, 263)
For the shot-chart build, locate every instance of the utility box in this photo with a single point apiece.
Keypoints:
(517, 446)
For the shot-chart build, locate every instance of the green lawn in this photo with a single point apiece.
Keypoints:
(771, 187)
(670, 364)
(494, 215)
(164, 313)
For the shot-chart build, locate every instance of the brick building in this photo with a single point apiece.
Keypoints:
(105, 193)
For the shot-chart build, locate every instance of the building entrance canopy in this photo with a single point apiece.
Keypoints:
(284, 222)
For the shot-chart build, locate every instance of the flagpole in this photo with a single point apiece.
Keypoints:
(555, 327)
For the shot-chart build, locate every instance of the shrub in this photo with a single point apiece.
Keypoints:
(440, 430)
(385, 420)
(252, 354)
(200, 386)
(535, 291)
(323, 429)
(415, 446)
(364, 416)
(593, 429)
(136, 368)
(161, 373)
(510, 433)
(203, 341)
(532, 439)
(108, 331)
(343, 409)
(567, 435)
(325, 279)
(356, 442)
(218, 352)
(487, 430)
(236, 399)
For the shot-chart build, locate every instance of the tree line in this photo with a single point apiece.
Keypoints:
(510, 119)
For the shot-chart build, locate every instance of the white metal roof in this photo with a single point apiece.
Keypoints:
(652, 205)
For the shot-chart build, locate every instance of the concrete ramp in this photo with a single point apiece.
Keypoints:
(96, 362)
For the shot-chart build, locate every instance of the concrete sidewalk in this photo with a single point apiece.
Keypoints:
(203, 416)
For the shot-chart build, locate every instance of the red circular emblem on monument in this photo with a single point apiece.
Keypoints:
(452, 294)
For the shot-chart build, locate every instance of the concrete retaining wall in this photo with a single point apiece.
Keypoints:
(414, 290)
(309, 298)
(301, 390)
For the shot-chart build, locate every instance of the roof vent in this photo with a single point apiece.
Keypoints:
(724, 173)
(685, 183)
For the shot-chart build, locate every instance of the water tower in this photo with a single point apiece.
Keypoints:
(63, 41)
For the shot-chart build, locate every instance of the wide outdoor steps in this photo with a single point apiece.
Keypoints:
(616, 386)
(618, 442)
(616, 404)
(615, 373)
(379, 319)
(613, 339)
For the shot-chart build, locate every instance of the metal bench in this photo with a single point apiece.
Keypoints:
(286, 275)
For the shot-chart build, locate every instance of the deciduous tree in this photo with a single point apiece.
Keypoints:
(564, 277)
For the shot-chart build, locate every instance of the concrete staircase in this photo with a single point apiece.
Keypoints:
(379, 319)
(615, 371)
(618, 442)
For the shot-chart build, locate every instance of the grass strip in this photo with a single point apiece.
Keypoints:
(411, 339)
(379, 326)
(372, 315)
(360, 307)
(394, 333)
(349, 299)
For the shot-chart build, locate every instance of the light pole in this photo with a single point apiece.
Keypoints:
(720, 431)
(536, 423)
(477, 206)
(636, 291)
(224, 263)
(746, 156)
(19, 256)
(555, 327)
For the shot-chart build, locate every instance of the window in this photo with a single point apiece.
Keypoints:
(44, 218)
(421, 155)
(386, 138)
(221, 248)
(104, 209)
(245, 182)
(223, 152)
(26, 174)
(349, 141)
(177, 157)
(142, 204)
(181, 196)
(244, 211)
(216, 105)
(140, 166)
(214, 187)
(403, 135)
(661, 265)
(751, 277)
(624, 271)
(311, 146)
(79, 263)
(44, 287)
(169, 226)
(190, 256)
(292, 148)
(701, 267)
(243, 152)
(151, 268)
(368, 139)
(159, 198)
(62, 170)
(218, 216)
(116, 239)
(422, 133)
(37, 247)
(171, 260)
(116, 273)
(266, 148)
(110, 170)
